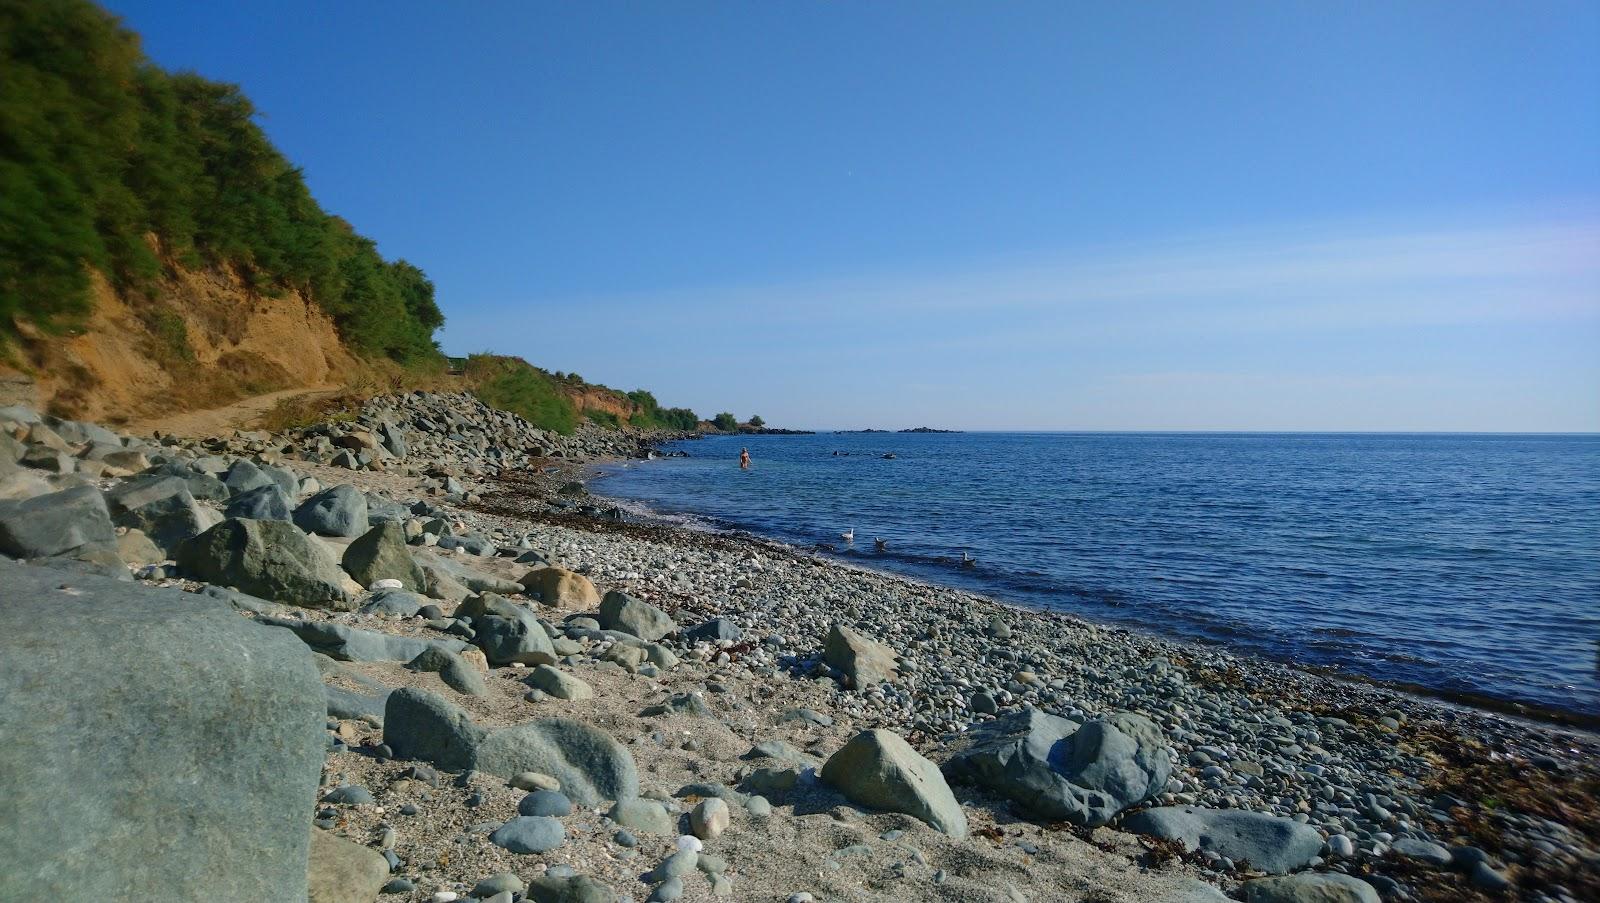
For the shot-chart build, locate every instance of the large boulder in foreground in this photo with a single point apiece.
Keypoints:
(561, 588)
(267, 558)
(863, 661)
(590, 764)
(71, 522)
(879, 769)
(620, 611)
(1267, 842)
(162, 748)
(1058, 770)
(382, 554)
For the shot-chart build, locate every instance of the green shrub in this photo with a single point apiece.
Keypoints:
(756, 421)
(726, 422)
(603, 418)
(512, 384)
(100, 148)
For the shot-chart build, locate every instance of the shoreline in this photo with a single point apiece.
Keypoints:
(1533, 713)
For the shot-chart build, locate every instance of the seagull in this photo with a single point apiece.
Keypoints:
(848, 535)
(880, 544)
(967, 561)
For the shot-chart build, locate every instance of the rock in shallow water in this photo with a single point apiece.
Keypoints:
(190, 716)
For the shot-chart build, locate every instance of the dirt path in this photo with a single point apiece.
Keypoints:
(218, 421)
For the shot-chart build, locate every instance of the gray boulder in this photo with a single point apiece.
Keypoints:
(620, 611)
(1058, 770)
(590, 765)
(267, 558)
(452, 669)
(343, 871)
(714, 630)
(529, 834)
(244, 476)
(162, 506)
(863, 661)
(190, 716)
(559, 683)
(352, 644)
(1310, 887)
(570, 889)
(71, 522)
(261, 503)
(395, 602)
(506, 632)
(340, 511)
(49, 460)
(381, 554)
(642, 815)
(200, 485)
(1268, 843)
(879, 769)
(475, 580)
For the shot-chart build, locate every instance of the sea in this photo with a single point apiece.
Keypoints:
(1464, 565)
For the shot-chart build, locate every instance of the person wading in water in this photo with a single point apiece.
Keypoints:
(744, 459)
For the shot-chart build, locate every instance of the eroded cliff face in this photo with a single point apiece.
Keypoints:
(199, 339)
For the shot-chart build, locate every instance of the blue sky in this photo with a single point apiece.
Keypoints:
(1277, 215)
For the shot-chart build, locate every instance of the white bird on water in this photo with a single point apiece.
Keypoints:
(848, 535)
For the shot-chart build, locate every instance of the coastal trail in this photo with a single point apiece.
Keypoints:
(242, 414)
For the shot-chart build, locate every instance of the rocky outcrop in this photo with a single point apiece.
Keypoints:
(190, 715)
(1059, 770)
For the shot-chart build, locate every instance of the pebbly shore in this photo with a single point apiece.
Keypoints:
(427, 664)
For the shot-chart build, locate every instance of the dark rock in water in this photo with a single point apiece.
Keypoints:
(1268, 843)
(382, 554)
(879, 769)
(620, 611)
(863, 661)
(261, 503)
(452, 669)
(590, 765)
(529, 834)
(352, 644)
(1058, 770)
(71, 522)
(267, 558)
(1310, 887)
(344, 872)
(714, 630)
(340, 511)
(190, 715)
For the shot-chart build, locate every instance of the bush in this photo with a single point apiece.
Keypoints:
(512, 384)
(726, 422)
(650, 415)
(100, 150)
(603, 418)
(756, 421)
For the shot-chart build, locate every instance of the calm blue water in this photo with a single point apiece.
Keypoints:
(1466, 563)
